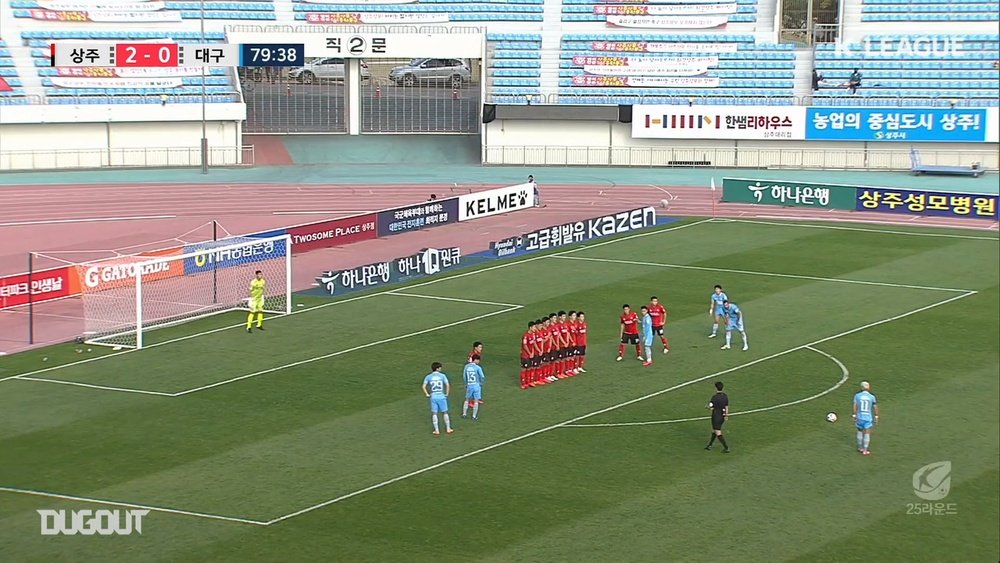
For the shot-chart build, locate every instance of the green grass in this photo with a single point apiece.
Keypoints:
(238, 431)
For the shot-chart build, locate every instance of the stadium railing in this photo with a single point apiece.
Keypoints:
(734, 157)
(146, 157)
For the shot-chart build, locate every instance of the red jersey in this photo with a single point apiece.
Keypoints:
(631, 322)
(659, 314)
(545, 339)
(472, 353)
(581, 333)
(555, 338)
(574, 328)
(564, 334)
(528, 345)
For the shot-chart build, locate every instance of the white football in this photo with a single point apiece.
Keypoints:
(831, 417)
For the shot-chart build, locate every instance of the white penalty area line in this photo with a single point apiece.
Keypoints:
(623, 404)
(844, 375)
(456, 299)
(857, 229)
(87, 220)
(45, 494)
(767, 274)
(506, 264)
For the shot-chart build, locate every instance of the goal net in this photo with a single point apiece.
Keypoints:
(127, 296)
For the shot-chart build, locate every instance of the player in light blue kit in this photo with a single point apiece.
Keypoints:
(865, 416)
(734, 318)
(474, 379)
(647, 334)
(437, 388)
(715, 309)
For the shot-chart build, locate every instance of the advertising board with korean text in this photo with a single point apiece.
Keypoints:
(919, 202)
(784, 123)
(431, 213)
(908, 125)
(45, 285)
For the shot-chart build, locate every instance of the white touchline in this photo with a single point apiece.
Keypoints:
(858, 229)
(131, 505)
(608, 409)
(768, 274)
(457, 299)
(359, 297)
(844, 374)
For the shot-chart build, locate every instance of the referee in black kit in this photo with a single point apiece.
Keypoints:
(720, 414)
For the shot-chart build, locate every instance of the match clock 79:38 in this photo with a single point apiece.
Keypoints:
(278, 54)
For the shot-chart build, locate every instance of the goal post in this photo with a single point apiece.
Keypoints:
(127, 296)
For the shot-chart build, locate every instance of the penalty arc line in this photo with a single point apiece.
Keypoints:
(365, 296)
(767, 274)
(844, 375)
(151, 508)
(608, 409)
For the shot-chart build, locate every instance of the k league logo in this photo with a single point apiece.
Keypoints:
(933, 481)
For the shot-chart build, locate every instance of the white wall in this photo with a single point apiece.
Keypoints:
(605, 143)
(93, 145)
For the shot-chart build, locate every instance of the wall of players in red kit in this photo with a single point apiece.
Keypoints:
(553, 348)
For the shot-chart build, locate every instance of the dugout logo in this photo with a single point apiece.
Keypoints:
(91, 522)
(933, 481)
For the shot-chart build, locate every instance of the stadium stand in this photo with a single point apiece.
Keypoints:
(11, 92)
(513, 70)
(930, 11)
(960, 73)
(61, 86)
(746, 72)
(424, 12)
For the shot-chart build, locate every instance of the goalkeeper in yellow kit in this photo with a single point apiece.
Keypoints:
(256, 303)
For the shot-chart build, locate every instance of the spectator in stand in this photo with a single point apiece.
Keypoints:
(854, 82)
(816, 79)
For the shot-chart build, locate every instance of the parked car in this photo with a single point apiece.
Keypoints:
(332, 68)
(453, 72)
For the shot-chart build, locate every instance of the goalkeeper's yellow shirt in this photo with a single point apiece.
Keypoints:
(257, 288)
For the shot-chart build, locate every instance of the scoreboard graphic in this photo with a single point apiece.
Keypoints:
(174, 55)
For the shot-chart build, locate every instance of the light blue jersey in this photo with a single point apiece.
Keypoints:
(437, 383)
(474, 379)
(864, 402)
(647, 330)
(718, 298)
(735, 317)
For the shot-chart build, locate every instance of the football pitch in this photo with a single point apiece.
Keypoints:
(312, 440)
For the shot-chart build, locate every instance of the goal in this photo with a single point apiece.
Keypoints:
(127, 296)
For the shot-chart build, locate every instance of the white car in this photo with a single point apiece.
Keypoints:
(331, 68)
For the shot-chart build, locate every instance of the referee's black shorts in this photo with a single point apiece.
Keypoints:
(718, 421)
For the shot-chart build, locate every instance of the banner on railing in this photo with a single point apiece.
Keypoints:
(800, 194)
(427, 262)
(736, 122)
(919, 202)
(208, 256)
(666, 10)
(668, 22)
(576, 231)
(494, 202)
(915, 125)
(653, 47)
(415, 217)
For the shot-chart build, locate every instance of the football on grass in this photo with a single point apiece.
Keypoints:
(831, 417)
